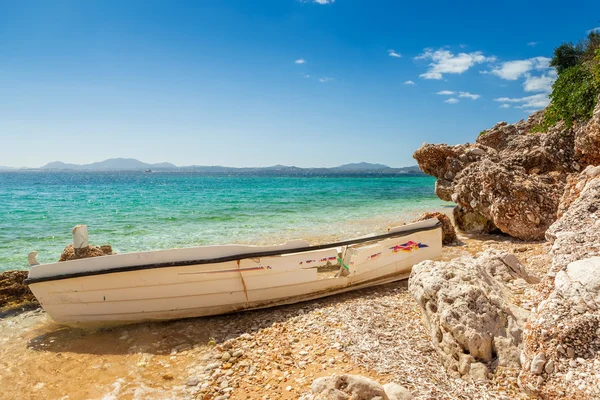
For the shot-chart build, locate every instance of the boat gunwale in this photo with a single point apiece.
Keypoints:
(234, 257)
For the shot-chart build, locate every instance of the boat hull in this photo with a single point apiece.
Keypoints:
(198, 290)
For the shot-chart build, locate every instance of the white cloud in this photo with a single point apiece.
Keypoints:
(541, 83)
(451, 100)
(306, 75)
(392, 53)
(325, 79)
(318, 1)
(505, 105)
(445, 93)
(597, 29)
(530, 103)
(532, 44)
(409, 83)
(300, 61)
(513, 70)
(469, 95)
(445, 62)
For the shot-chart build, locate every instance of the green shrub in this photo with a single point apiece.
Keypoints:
(573, 97)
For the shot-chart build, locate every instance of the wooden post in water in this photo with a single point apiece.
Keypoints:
(80, 237)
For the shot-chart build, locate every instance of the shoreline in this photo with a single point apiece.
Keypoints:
(157, 360)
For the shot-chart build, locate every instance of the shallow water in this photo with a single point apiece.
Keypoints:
(139, 211)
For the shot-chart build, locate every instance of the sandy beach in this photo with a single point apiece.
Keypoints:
(271, 354)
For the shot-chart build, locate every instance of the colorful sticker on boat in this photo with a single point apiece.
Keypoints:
(408, 247)
(374, 256)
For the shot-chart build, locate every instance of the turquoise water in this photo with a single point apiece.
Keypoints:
(138, 211)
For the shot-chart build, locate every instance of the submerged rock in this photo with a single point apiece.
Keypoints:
(448, 232)
(71, 253)
(466, 305)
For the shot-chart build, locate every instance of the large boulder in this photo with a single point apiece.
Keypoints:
(448, 232)
(511, 178)
(562, 337)
(519, 204)
(467, 308)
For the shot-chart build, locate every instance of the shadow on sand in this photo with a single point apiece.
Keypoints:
(163, 337)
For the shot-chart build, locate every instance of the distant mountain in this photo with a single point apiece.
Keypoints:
(130, 164)
(2, 168)
(362, 166)
(113, 164)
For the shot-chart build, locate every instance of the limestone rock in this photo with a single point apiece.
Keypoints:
(521, 205)
(510, 179)
(397, 392)
(575, 184)
(448, 232)
(70, 253)
(467, 308)
(587, 140)
(472, 221)
(566, 324)
(346, 387)
(13, 292)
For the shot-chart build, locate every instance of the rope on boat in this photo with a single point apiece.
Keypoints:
(342, 263)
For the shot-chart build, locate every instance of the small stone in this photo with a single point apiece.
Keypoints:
(168, 377)
(237, 353)
(193, 382)
(549, 368)
(540, 380)
(225, 356)
(537, 364)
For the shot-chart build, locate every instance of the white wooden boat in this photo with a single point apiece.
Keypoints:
(210, 280)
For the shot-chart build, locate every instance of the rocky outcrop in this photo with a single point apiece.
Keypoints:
(511, 178)
(448, 232)
(466, 306)
(561, 351)
(575, 184)
(587, 140)
(13, 292)
(356, 387)
(71, 253)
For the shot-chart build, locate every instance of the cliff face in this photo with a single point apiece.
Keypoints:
(511, 179)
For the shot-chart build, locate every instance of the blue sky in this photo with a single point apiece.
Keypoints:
(257, 83)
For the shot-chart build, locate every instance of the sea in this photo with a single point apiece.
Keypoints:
(137, 211)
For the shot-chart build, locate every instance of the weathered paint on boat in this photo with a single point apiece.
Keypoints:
(109, 294)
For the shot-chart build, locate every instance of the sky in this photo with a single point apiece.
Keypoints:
(310, 83)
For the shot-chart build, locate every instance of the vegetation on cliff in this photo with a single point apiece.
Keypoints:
(576, 90)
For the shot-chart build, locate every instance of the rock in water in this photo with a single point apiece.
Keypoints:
(448, 232)
(71, 253)
(351, 387)
(13, 292)
(467, 308)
